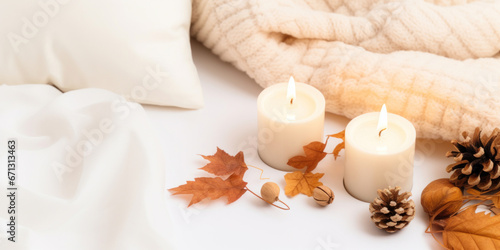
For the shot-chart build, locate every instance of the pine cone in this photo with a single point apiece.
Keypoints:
(392, 211)
(477, 161)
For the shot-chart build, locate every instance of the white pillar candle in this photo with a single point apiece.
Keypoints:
(379, 151)
(290, 116)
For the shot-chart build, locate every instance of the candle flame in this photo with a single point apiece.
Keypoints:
(290, 93)
(382, 120)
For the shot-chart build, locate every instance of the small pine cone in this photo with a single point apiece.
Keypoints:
(477, 161)
(392, 211)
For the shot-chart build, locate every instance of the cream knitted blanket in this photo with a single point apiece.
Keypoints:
(437, 63)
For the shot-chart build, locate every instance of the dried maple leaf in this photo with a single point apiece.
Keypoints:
(340, 146)
(212, 187)
(314, 154)
(471, 230)
(221, 163)
(298, 182)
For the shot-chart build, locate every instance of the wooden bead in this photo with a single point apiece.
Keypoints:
(323, 195)
(270, 192)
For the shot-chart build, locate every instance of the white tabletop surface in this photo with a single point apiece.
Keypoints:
(229, 121)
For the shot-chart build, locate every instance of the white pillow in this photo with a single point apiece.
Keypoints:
(139, 49)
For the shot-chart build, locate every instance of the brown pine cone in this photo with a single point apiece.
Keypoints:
(392, 211)
(477, 161)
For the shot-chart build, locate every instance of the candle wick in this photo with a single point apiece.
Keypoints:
(380, 133)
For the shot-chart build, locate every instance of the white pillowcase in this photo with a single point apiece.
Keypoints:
(139, 49)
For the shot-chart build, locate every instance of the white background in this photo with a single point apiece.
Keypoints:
(229, 121)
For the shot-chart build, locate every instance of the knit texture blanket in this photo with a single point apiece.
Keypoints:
(437, 63)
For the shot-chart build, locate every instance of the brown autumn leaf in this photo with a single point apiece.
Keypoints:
(212, 187)
(340, 146)
(221, 163)
(440, 193)
(298, 182)
(470, 230)
(314, 154)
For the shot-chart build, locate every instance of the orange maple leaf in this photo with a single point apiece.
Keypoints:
(298, 182)
(212, 187)
(221, 163)
(314, 154)
(471, 230)
(340, 146)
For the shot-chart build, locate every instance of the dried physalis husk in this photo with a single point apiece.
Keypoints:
(441, 193)
(270, 192)
(323, 195)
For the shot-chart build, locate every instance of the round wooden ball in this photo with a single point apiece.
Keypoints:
(270, 192)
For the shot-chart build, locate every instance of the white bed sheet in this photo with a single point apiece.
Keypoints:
(229, 121)
(88, 172)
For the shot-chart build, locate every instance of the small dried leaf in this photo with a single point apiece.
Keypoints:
(298, 182)
(314, 154)
(212, 187)
(221, 163)
(471, 230)
(438, 194)
(340, 146)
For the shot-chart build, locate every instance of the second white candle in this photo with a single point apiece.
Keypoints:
(375, 159)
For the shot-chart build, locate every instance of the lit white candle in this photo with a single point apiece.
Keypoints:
(290, 115)
(379, 149)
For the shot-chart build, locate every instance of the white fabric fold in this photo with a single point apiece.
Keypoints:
(90, 173)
